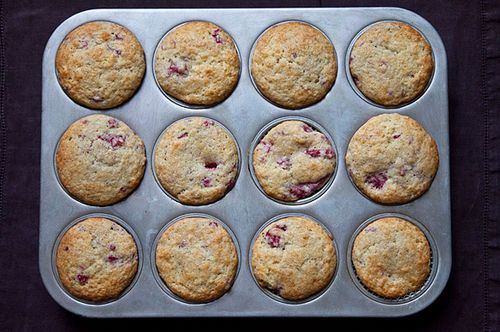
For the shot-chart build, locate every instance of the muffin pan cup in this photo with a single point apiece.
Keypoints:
(244, 209)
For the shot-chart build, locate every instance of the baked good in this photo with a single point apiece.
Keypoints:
(100, 160)
(196, 160)
(392, 159)
(100, 64)
(197, 259)
(294, 258)
(391, 257)
(391, 63)
(96, 259)
(294, 64)
(293, 161)
(197, 63)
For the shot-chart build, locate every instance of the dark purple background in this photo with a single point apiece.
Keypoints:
(471, 300)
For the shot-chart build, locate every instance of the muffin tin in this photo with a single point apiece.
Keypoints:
(340, 208)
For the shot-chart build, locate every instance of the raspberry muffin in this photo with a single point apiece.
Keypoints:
(392, 257)
(196, 161)
(294, 64)
(100, 160)
(100, 64)
(392, 159)
(197, 259)
(294, 258)
(96, 259)
(197, 63)
(293, 161)
(391, 63)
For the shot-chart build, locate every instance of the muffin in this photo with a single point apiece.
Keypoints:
(392, 159)
(96, 259)
(391, 257)
(197, 259)
(293, 161)
(294, 258)
(391, 63)
(100, 160)
(197, 63)
(294, 64)
(100, 64)
(196, 161)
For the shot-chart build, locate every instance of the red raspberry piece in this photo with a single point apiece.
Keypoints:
(117, 36)
(370, 229)
(230, 185)
(173, 69)
(396, 136)
(207, 123)
(183, 244)
(377, 181)
(213, 223)
(112, 247)
(283, 227)
(265, 146)
(112, 258)
(211, 165)
(307, 128)
(84, 121)
(272, 240)
(284, 163)
(83, 44)
(82, 279)
(303, 190)
(315, 153)
(182, 135)
(206, 182)
(116, 51)
(217, 38)
(114, 140)
(112, 123)
(329, 153)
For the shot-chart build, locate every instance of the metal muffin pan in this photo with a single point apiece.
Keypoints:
(340, 208)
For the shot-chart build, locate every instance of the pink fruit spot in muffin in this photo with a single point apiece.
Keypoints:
(83, 44)
(82, 279)
(213, 223)
(283, 227)
(84, 121)
(206, 182)
(307, 128)
(294, 55)
(329, 153)
(114, 140)
(350, 59)
(211, 165)
(303, 190)
(183, 244)
(112, 247)
(266, 147)
(123, 189)
(284, 163)
(230, 185)
(173, 69)
(182, 135)
(116, 51)
(315, 153)
(272, 240)
(402, 171)
(117, 36)
(112, 258)
(377, 181)
(370, 229)
(97, 99)
(112, 123)
(207, 123)
(216, 36)
(396, 136)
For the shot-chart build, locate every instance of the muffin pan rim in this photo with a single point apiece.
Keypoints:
(328, 20)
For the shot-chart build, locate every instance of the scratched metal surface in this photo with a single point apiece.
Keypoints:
(340, 208)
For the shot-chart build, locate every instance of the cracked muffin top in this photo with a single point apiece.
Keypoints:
(391, 63)
(100, 64)
(197, 63)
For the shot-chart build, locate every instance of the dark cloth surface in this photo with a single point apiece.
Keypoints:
(471, 300)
